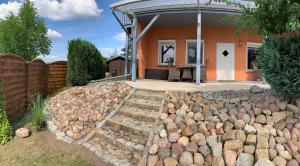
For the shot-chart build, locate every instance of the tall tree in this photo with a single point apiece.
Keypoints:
(24, 34)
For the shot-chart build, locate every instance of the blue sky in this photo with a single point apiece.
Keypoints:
(67, 19)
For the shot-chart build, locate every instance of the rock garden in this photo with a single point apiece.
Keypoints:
(240, 128)
(75, 111)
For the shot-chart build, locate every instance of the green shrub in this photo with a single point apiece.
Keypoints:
(37, 114)
(280, 61)
(5, 128)
(85, 62)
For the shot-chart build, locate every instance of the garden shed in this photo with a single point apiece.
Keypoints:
(116, 66)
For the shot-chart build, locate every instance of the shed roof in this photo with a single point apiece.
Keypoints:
(144, 6)
(115, 58)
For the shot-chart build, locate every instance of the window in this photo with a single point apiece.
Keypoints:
(252, 50)
(167, 52)
(191, 52)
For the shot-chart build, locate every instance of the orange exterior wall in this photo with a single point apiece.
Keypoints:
(148, 47)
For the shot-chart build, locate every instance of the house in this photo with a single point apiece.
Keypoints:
(188, 32)
(116, 66)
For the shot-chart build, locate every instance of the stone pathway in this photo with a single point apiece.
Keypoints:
(125, 137)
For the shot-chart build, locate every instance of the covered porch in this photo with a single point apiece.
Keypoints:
(166, 35)
(161, 85)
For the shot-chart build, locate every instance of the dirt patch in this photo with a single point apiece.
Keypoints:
(43, 149)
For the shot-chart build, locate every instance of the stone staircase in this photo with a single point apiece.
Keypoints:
(124, 136)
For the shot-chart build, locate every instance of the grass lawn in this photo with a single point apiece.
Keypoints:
(42, 149)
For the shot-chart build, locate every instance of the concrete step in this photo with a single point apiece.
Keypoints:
(139, 114)
(120, 140)
(112, 153)
(130, 126)
(149, 95)
(143, 104)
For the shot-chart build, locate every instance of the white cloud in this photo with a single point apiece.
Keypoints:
(120, 36)
(52, 58)
(52, 34)
(7, 8)
(109, 51)
(67, 9)
(56, 9)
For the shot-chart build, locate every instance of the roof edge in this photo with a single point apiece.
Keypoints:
(124, 2)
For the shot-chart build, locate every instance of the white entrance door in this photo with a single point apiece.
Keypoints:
(225, 61)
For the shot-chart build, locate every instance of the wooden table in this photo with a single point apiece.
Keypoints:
(184, 68)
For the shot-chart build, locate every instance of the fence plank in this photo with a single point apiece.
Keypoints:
(22, 81)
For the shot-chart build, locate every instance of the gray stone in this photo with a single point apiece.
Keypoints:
(278, 116)
(280, 125)
(256, 89)
(292, 108)
(245, 159)
(264, 162)
(272, 153)
(228, 126)
(285, 154)
(239, 124)
(279, 161)
(223, 116)
(218, 161)
(186, 159)
(298, 102)
(204, 150)
(261, 119)
(198, 138)
(153, 149)
(152, 159)
(198, 159)
(250, 149)
(293, 163)
(164, 153)
(249, 129)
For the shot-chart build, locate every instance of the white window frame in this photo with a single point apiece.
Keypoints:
(159, 51)
(251, 44)
(186, 52)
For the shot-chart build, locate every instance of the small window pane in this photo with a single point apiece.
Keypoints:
(192, 52)
(252, 53)
(167, 52)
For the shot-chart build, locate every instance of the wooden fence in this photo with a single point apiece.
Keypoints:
(56, 73)
(22, 81)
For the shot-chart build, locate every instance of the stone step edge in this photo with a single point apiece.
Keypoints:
(141, 105)
(122, 142)
(148, 94)
(150, 98)
(148, 116)
(151, 91)
(143, 131)
(100, 124)
(144, 159)
(106, 156)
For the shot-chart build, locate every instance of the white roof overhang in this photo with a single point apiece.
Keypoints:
(149, 7)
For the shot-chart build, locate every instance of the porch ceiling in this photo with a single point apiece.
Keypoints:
(187, 19)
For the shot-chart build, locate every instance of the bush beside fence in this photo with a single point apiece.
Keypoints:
(22, 81)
